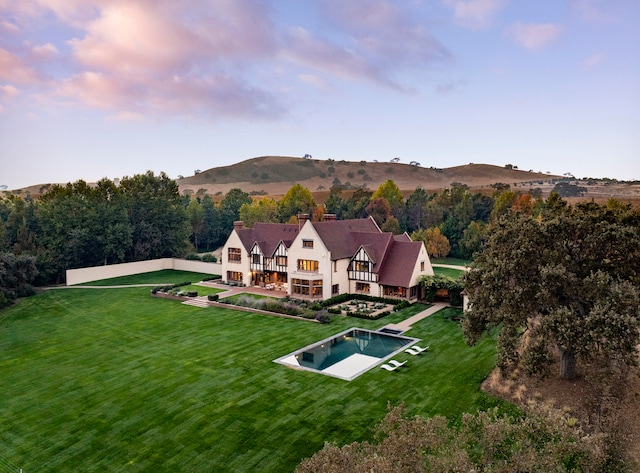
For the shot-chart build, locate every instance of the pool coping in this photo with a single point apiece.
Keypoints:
(280, 360)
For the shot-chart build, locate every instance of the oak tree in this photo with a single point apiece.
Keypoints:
(566, 280)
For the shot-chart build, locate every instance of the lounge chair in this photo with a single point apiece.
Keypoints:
(411, 351)
(392, 365)
(416, 347)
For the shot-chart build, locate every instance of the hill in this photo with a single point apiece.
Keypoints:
(274, 175)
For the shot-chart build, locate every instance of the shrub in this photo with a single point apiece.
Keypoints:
(334, 310)
(323, 316)
(213, 297)
(209, 258)
(193, 257)
(192, 293)
(401, 305)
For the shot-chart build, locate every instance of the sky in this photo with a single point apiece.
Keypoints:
(112, 88)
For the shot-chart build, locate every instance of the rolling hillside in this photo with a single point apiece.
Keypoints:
(274, 175)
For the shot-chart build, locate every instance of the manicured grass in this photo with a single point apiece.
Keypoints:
(452, 261)
(166, 276)
(115, 380)
(201, 290)
(452, 273)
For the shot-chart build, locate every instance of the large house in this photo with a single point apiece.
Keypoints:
(318, 260)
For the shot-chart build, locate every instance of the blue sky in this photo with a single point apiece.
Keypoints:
(108, 88)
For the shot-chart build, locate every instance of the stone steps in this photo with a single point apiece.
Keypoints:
(197, 302)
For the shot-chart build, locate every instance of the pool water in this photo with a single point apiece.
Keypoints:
(347, 354)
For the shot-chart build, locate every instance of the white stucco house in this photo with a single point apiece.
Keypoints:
(318, 260)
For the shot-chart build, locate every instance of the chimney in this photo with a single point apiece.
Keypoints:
(302, 219)
(238, 225)
(328, 217)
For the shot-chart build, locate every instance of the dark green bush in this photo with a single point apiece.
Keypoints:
(192, 293)
(213, 297)
(401, 305)
(209, 258)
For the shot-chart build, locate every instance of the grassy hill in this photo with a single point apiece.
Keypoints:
(274, 175)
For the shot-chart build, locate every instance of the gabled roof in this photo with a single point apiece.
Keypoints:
(397, 267)
(268, 236)
(339, 236)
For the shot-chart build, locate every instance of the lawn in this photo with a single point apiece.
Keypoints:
(115, 380)
(166, 276)
(450, 272)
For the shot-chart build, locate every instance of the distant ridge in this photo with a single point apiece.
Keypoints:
(274, 175)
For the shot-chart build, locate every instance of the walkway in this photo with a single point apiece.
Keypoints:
(406, 324)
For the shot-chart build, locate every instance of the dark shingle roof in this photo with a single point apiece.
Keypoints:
(398, 265)
(268, 236)
(339, 235)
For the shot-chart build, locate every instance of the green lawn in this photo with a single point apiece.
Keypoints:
(452, 273)
(166, 276)
(115, 380)
(452, 261)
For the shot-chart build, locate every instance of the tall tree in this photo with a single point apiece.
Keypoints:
(380, 210)
(262, 210)
(415, 209)
(157, 216)
(195, 214)
(298, 199)
(212, 223)
(567, 279)
(230, 210)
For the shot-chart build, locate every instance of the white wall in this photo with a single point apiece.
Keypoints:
(82, 275)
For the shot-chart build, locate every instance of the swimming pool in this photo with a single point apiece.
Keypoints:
(348, 354)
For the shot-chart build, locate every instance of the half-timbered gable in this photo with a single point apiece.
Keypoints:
(361, 267)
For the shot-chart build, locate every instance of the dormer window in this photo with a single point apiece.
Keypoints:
(307, 243)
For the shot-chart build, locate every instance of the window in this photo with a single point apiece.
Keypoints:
(413, 292)
(234, 276)
(307, 265)
(255, 258)
(421, 265)
(335, 289)
(300, 286)
(393, 291)
(317, 288)
(363, 287)
(307, 243)
(361, 266)
(306, 287)
(235, 255)
(281, 260)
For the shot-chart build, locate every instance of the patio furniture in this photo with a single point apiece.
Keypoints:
(392, 365)
(416, 347)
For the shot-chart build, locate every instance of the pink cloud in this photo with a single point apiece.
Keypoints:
(535, 36)
(13, 69)
(9, 91)
(475, 14)
(134, 58)
(44, 51)
(380, 39)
